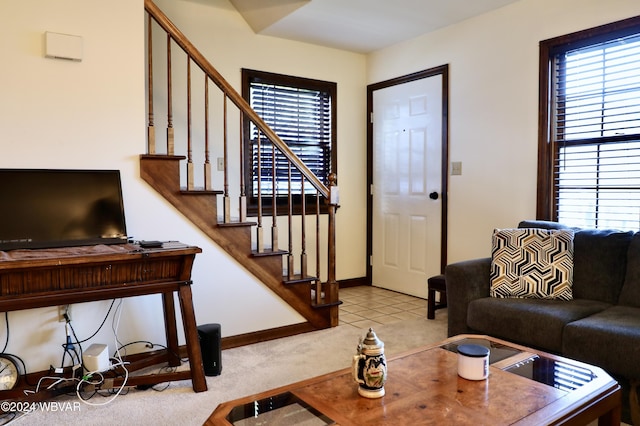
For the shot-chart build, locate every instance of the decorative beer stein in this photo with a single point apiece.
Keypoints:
(370, 366)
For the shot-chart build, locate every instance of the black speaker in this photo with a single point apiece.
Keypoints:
(210, 346)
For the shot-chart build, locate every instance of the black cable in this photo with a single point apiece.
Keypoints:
(6, 344)
(69, 347)
(115, 323)
(148, 344)
(73, 354)
(24, 367)
(6, 341)
(64, 355)
(78, 342)
(101, 325)
(167, 384)
(151, 345)
(79, 361)
(86, 398)
(6, 418)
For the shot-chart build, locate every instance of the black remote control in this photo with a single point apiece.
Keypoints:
(150, 244)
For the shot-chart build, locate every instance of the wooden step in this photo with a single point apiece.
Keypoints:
(325, 305)
(235, 224)
(269, 252)
(298, 279)
(185, 191)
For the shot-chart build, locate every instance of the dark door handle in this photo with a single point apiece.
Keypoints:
(433, 195)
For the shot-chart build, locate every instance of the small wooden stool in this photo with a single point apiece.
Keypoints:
(434, 284)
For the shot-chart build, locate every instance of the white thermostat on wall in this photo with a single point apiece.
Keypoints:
(63, 46)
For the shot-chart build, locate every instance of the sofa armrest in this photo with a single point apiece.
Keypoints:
(466, 281)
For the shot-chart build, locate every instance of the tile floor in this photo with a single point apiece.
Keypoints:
(364, 306)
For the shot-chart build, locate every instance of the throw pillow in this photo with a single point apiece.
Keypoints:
(532, 263)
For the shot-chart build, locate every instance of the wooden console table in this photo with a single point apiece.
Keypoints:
(60, 276)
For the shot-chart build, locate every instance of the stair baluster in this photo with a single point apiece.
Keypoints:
(303, 230)
(274, 204)
(190, 175)
(208, 186)
(226, 204)
(242, 201)
(170, 130)
(290, 258)
(151, 130)
(260, 233)
(318, 281)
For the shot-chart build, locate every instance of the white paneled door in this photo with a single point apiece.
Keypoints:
(407, 185)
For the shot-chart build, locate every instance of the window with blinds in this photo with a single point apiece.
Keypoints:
(594, 131)
(302, 114)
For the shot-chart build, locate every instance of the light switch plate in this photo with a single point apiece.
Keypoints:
(456, 168)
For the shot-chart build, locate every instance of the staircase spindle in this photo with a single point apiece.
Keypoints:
(303, 230)
(207, 163)
(170, 131)
(290, 259)
(318, 283)
(226, 205)
(274, 196)
(151, 130)
(242, 202)
(260, 233)
(331, 291)
(190, 184)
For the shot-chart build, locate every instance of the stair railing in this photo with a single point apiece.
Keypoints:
(326, 293)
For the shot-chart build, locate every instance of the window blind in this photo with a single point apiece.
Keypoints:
(302, 119)
(596, 134)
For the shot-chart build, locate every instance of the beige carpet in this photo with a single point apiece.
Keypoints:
(245, 370)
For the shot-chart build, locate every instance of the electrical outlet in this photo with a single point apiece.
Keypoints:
(62, 309)
(220, 164)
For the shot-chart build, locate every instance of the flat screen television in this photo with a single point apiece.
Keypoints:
(57, 208)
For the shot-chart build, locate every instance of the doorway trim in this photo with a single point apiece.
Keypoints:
(440, 70)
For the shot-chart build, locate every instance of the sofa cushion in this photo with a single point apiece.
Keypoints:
(599, 264)
(630, 293)
(531, 322)
(609, 339)
(532, 262)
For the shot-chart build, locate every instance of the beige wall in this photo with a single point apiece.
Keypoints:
(493, 64)
(91, 114)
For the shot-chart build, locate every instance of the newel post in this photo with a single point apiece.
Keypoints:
(331, 294)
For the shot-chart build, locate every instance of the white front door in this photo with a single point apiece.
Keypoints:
(407, 185)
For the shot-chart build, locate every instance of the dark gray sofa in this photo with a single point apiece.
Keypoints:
(600, 326)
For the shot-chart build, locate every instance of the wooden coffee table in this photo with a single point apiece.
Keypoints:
(525, 387)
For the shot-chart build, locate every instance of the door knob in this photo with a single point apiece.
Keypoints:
(433, 195)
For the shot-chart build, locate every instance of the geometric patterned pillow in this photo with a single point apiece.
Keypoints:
(532, 263)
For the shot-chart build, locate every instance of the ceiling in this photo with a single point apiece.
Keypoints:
(357, 25)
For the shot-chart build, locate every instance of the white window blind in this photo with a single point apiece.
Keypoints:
(302, 119)
(596, 134)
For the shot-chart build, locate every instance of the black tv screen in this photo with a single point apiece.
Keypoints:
(58, 208)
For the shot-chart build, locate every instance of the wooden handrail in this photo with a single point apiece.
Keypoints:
(232, 94)
(326, 291)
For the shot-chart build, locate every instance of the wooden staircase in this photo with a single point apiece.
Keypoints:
(313, 297)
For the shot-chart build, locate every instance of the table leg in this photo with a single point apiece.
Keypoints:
(192, 340)
(610, 418)
(171, 329)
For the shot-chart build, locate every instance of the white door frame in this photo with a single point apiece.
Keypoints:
(440, 70)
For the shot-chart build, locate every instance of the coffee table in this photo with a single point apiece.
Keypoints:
(525, 387)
